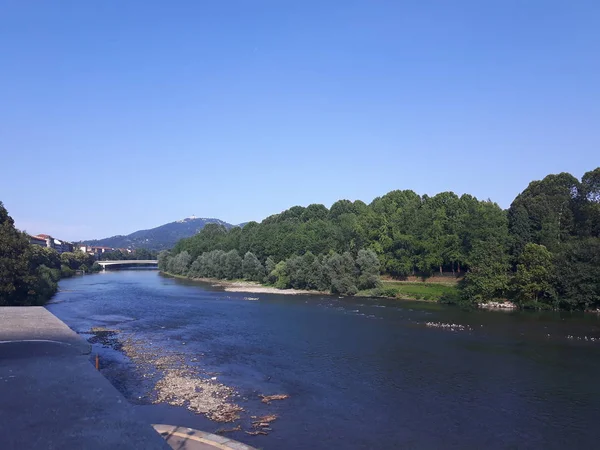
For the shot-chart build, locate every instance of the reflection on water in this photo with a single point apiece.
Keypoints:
(360, 373)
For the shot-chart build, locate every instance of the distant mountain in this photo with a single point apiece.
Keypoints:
(159, 238)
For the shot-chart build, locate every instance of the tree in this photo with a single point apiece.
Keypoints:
(180, 263)
(488, 276)
(589, 204)
(578, 274)
(320, 248)
(252, 269)
(22, 281)
(368, 265)
(342, 272)
(269, 268)
(549, 206)
(43, 256)
(314, 275)
(163, 260)
(233, 265)
(533, 280)
(279, 276)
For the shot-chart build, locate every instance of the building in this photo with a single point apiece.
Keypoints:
(62, 246)
(98, 250)
(45, 240)
(34, 240)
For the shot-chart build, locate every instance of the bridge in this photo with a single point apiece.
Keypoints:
(129, 263)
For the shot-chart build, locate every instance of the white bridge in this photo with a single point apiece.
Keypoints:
(128, 263)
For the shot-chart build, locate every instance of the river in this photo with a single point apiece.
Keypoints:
(360, 373)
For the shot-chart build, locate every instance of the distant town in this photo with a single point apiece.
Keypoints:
(61, 246)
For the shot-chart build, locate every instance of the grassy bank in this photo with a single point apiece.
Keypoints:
(412, 290)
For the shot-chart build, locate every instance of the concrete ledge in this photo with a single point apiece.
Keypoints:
(52, 397)
(182, 438)
(31, 323)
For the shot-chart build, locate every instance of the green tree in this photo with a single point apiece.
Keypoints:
(549, 207)
(488, 276)
(163, 260)
(368, 265)
(252, 269)
(279, 276)
(233, 265)
(180, 263)
(578, 274)
(21, 281)
(533, 280)
(588, 206)
(342, 272)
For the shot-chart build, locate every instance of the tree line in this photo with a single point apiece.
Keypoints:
(136, 255)
(551, 257)
(339, 274)
(29, 274)
(543, 252)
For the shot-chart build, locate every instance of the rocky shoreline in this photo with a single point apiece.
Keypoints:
(176, 379)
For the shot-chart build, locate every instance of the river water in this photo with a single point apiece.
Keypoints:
(360, 373)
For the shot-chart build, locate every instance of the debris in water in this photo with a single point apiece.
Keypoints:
(264, 420)
(268, 398)
(228, 430)
(179, 388)
(105, 336)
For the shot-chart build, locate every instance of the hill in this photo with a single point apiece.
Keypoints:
(159, 238)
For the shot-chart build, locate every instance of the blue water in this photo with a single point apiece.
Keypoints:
(361, 373)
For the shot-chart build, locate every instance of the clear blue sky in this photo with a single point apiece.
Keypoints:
(122, 115)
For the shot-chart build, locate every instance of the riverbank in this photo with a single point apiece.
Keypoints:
(399, 290)
(250, 287)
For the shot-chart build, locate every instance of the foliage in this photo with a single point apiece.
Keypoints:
(342, 272)
(28, 273)
(578, 274)
(488, 277)
(368, 266)
(540, 252)
(75, 260)
(414, 291)
(163, 260)
(179, 264)
(533, 280)
(66, 271)
(137, 254)
(252, 269)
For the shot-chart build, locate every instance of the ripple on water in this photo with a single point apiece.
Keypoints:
(111, 318)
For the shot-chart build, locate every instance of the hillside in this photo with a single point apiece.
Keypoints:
(159, 238)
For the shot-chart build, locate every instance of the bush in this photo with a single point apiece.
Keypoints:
(66, 271)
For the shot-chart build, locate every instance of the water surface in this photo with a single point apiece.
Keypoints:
(361, 373)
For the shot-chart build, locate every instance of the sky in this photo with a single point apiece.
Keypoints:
(118, 116)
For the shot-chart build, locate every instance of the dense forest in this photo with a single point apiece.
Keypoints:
(543, 252)
(29, 273)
